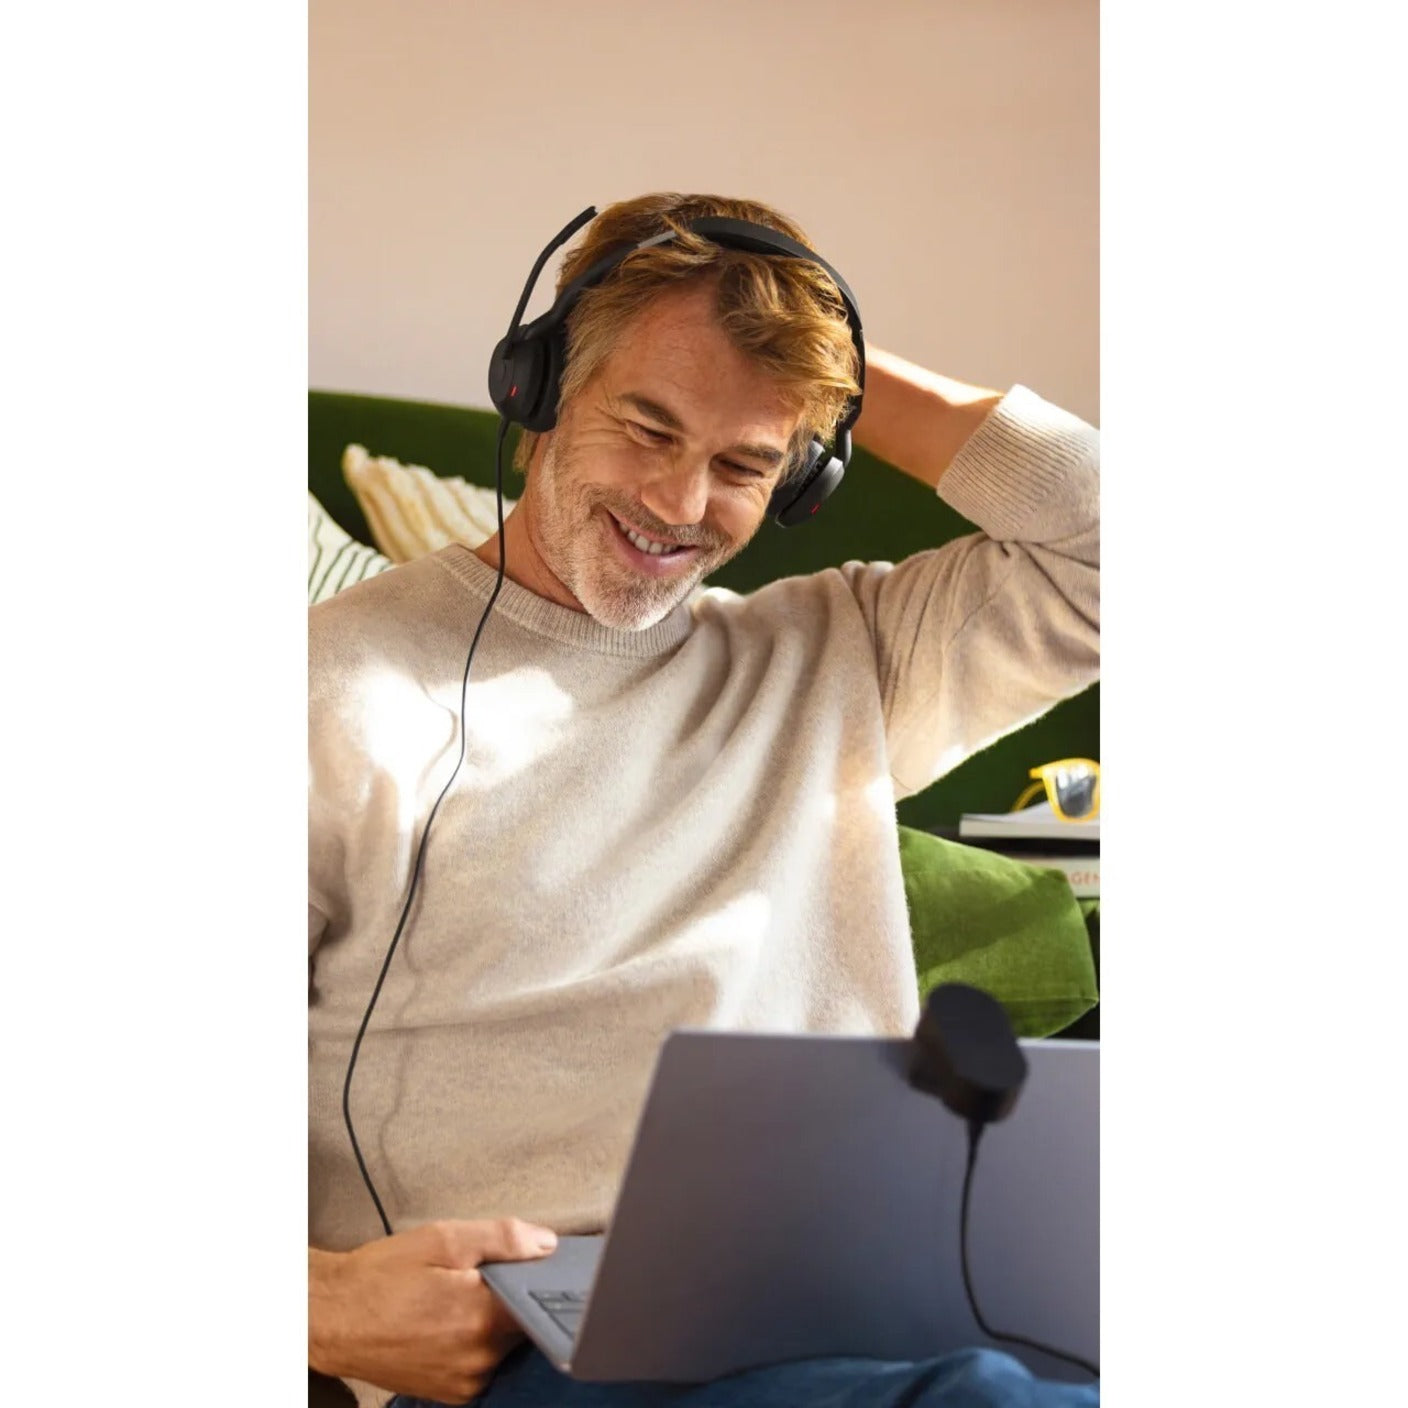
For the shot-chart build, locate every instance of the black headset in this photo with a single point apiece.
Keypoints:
(525, 372)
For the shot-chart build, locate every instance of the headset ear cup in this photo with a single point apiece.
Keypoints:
(528, 374)
(538, 369)
(514, 377)
(555, 350)
(786, 492)
(797, 501)
(501, 377)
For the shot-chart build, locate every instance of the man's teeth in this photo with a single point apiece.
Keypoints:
(644, 544)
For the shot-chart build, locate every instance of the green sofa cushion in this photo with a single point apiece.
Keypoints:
(1014, 930)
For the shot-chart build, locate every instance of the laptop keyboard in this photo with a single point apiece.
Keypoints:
(565, 1307)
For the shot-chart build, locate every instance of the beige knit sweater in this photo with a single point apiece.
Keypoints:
(691, 825)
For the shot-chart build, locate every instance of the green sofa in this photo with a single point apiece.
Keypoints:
(1012, 929)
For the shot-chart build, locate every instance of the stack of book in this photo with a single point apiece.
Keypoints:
(1038, 836)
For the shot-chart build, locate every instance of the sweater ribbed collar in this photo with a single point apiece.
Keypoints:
(547, 618)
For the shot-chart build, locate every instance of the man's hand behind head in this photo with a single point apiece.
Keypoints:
(411, 1313)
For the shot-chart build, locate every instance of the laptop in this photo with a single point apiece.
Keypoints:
(792, 1197)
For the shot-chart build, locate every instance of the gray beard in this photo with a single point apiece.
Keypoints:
(608, 591)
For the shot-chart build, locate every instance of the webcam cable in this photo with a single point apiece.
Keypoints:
(975, 1133)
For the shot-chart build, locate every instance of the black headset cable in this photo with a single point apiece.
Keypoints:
(420, 852)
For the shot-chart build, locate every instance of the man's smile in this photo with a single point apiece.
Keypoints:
(649, 554)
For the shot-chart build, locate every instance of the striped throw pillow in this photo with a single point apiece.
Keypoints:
(412, 511)
(336, 560)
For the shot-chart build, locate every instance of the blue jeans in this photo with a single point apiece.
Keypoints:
(971, 1378)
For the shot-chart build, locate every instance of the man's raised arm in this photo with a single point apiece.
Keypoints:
(917, 419)
(980, 636)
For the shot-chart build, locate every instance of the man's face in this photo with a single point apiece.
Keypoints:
(675, 444)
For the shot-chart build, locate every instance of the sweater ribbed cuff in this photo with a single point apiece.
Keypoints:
(1029, 473)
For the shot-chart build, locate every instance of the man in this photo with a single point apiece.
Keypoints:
(676, 808)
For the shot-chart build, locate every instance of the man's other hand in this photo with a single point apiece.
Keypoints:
(411, 1312)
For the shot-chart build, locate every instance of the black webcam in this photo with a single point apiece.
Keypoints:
(965, 1053)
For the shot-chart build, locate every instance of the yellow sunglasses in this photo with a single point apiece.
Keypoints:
(1072, 786)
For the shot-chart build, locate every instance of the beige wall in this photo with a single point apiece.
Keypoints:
(944, 156)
